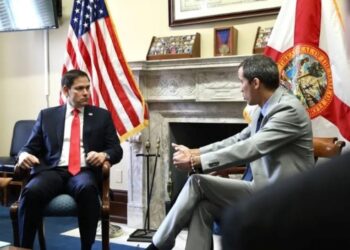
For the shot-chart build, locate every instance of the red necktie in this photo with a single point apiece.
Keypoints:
(74, 149)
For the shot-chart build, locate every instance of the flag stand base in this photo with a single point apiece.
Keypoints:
(142, 235)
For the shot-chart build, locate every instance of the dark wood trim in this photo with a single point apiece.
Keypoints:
(119, 206)
(219, 17)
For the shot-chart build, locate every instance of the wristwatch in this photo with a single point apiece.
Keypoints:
(108, 157)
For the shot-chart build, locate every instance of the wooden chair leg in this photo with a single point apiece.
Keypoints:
(14, 219)
(105, 233)
(105, 206)
(4, 182)
(5, 196)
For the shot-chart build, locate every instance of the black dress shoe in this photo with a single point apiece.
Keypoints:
(152, 247)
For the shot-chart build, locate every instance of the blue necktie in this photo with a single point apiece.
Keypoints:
(248, 175)
(258, 123)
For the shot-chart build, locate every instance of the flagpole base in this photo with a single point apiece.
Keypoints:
(142, 235)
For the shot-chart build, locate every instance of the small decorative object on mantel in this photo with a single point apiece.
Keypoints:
(262, 36)
(225, 41)
(173, 47)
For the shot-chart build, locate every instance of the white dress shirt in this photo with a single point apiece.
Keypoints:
(66, 137)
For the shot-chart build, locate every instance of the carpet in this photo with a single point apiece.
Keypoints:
(63, 233)
(54, 234)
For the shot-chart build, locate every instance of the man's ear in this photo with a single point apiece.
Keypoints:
(256, 83)
(65, 90)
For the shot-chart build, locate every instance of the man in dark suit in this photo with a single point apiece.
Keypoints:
(47, 153)
(307, 211)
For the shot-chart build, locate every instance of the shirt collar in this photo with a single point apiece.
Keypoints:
(70, 109)
(264, 108)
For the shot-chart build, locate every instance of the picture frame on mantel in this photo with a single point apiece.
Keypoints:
(225, 41)
(174, 47)
(188, 12)
(261, 39)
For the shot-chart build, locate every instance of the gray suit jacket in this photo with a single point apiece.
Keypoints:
(282, 147)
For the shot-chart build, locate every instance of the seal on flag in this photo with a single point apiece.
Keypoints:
(305, 70)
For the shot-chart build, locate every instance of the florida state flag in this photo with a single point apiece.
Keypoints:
(307, 42)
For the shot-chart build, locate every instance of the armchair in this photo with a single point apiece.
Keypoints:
(64, 205)
(21, 133)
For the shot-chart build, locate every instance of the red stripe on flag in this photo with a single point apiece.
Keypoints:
(85, 55)
(71, 52)
(338, 111)
(88, 62)
(115, 81)
(64, 70)
(307, 22)
(121, 58)
(104, 92)
(272, 53)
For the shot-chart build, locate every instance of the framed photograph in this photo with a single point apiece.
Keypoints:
(261, 39)
(186, 12)
(173, 47)
(225, 41)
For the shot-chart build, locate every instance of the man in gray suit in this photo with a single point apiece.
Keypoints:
(277, 144)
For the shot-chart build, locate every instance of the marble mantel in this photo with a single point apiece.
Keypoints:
(182, 90)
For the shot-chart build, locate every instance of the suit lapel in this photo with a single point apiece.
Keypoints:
(275, 98)
(60, 124)
(255, 120)
(88, 121)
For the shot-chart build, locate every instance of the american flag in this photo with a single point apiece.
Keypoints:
(93, 46)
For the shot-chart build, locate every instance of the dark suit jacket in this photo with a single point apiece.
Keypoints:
(308, 211)
(46, 139)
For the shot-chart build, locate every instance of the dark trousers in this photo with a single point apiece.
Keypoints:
(44, 186)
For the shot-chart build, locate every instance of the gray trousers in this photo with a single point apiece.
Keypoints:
(201, 201)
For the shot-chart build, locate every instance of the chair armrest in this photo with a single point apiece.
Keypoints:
(22, 174)
(4, 181)
(9, 168)
(327, 146)
(105, 188)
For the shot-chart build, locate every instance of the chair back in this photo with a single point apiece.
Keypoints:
(21, 133)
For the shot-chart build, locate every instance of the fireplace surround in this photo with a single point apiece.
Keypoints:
(179, 92)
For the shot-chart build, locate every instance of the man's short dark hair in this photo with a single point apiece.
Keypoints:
(69, 77)
(263, 68)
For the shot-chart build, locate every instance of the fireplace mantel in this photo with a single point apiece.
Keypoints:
(182, 90)
(187, 63)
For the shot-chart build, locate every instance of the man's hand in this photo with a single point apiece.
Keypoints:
(96, 159)
(27, 161)
(182, 157)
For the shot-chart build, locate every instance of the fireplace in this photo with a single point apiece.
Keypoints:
(195, 135)
(187, 99)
